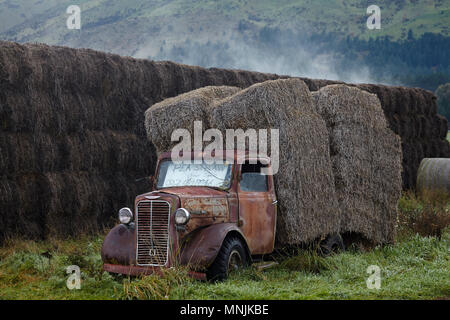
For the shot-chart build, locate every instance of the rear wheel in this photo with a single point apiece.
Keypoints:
(332, 244)
(231, 257)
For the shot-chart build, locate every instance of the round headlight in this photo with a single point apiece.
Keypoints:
(125, 215)
(182, 216)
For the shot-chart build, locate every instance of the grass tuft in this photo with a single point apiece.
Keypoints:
(307, 261)
(427, 214)
(158, 286)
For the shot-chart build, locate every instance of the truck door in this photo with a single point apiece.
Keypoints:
(257, 208)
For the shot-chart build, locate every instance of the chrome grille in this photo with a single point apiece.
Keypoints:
(152, 229)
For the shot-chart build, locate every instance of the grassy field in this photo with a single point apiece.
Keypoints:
(416, 267)
(207, 20)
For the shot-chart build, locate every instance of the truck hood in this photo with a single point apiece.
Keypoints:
(199, 201)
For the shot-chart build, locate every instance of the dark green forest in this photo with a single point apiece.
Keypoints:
(418, 62)
(414, 61)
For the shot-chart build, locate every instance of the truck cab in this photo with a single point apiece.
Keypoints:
(211, 216)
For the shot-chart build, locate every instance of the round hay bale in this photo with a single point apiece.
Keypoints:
(434, 175)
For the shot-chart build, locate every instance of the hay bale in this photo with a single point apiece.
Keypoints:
(442, 122)
(429, 103)
(305, 169)
(444, 147)
(304, 182)
(366, 159)
(434, 175)
(164, 117)
(21, 197)
(82, 202)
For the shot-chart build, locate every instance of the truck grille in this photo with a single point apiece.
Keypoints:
(152, 229)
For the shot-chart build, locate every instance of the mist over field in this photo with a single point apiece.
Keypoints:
(284, 56)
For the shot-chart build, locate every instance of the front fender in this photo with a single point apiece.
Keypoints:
(200, 248)
(119, 246)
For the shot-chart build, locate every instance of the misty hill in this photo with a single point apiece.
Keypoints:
(315, 38)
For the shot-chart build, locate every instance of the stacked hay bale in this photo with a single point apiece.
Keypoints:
(307, 207)
(366, 157)
(72, 119)
(72, 133)
(412, 114)
(180, 113)
(304, 184)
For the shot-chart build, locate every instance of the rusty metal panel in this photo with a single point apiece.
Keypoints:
(138, 271)
(201, 247)
(257, 217)
(204, 207)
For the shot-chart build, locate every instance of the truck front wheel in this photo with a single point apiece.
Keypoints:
(231, 257)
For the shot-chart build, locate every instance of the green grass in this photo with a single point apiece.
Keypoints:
(448, 136)
(46, 20)
(415, 267)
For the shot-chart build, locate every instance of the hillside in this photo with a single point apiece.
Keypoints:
(124, 27)
(317, 39)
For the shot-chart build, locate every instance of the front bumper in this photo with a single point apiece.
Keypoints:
(138, 271)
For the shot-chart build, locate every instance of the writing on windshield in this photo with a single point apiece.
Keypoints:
(194, 174)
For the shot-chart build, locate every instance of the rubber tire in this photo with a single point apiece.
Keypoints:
(218, 271)
(332, 244)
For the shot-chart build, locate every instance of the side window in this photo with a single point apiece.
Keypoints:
(251, 178)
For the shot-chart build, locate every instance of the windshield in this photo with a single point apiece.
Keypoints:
(201, 174)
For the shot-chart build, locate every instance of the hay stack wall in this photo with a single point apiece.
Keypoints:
(65, 114)
(367, 161)
(412, 114)
(304, 183)
(72, 137)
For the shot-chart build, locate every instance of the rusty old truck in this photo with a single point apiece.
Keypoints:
(213, 218)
